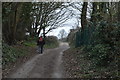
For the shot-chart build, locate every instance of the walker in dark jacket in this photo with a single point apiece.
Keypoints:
(40, 44)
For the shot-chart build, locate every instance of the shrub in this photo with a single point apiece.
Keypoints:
(10, 54)
(100, 55)
(106, 44)
(51, 42)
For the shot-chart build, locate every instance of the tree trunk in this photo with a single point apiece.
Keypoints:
(16, 17)
(40, 18)
(94, 11)
(119, 11)
(83, 15)
(44, 32)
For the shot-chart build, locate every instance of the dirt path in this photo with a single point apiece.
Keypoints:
(46, 65)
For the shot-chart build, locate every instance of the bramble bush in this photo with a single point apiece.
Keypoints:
(105, 47)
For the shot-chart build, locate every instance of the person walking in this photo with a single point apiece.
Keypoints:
(40, 43)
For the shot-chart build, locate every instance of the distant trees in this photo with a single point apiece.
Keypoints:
(62, 34)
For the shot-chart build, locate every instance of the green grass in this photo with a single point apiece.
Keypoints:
(30, 43)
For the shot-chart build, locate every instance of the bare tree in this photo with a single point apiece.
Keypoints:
(46, 15)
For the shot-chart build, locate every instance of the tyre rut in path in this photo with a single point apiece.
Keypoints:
(46, 65)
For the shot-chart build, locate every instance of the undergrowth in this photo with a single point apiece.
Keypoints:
(10, 53)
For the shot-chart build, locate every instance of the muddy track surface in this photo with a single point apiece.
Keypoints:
(46, 65)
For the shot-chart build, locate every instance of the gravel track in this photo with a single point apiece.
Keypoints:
(46, 65)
